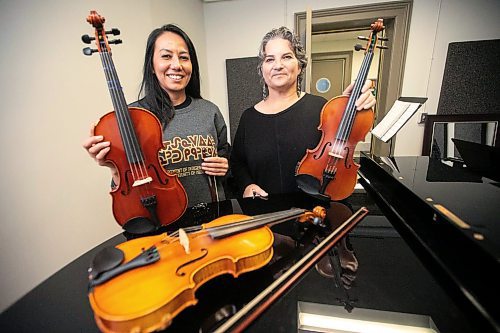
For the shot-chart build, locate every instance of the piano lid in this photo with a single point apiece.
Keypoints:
(450, 218)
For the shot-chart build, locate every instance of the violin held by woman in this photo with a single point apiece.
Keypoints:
(177, 147)
(329, 171)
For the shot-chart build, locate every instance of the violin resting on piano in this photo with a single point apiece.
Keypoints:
(142, 284)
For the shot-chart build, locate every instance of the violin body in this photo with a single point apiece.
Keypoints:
(316, 160)
(146, 299)
(166, 188)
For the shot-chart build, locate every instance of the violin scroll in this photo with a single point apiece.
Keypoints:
(377, 26)
(316, 216)
(97, 22)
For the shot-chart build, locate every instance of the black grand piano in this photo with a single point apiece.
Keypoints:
(425, 257)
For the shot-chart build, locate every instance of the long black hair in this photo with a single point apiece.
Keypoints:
(155, 97)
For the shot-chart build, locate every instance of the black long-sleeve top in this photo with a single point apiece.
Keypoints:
(267, 147)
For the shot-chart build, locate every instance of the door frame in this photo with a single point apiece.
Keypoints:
(396, 17)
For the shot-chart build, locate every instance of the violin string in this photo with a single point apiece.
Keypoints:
(112, 86)
(341, 137)
(251, 222)
(187, 229)
(261, 219)
(350, 123)
(137, 166)
(125, 119)
(356, 92)
(349, 115)
(350, 110)
(256, 221)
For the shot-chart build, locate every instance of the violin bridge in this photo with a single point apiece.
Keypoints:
(140, 182)
(335, 154)
(184, 240)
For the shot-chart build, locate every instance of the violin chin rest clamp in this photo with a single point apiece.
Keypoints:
(311, 186)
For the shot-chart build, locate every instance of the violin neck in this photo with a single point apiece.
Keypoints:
(360, 79)
(254, 223)
(125, 125)
(346, 124)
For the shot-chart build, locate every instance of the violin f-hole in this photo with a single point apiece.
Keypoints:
(316, 157)
(347, 158)
(203, 255)
(126, 190)
(162, 181)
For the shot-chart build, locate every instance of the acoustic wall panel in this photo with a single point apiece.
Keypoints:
(243, 88)
(470, 78)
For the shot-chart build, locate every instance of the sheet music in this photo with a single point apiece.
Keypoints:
(397, 116)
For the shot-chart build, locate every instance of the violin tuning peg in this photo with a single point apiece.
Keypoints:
(382, 47)
(87, 39)
(88, 51)
(114, 32)
(384, 39)
(358, 47)
(115, 41)
(362, 38)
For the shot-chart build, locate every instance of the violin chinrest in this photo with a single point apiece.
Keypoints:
(140, 226)
(311, 186)
(105, 260)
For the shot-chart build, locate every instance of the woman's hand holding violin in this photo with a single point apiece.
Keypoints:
(366, 100)
(97, 150)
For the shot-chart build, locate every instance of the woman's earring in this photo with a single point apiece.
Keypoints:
(264, 91)
(298, 86)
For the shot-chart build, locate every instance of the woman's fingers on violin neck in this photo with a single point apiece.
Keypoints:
(370, 99)
(367, 86)
(347, 91)
(370, 102)
(360, 102)
(365, 101)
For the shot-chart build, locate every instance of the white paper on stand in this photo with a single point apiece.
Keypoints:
(397, 116)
